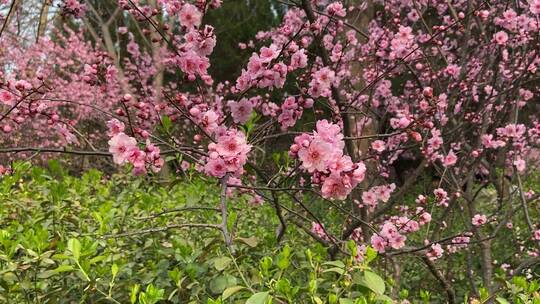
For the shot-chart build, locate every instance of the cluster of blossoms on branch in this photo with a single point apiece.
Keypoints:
(448, 87)
(125, 149)
(321, 155)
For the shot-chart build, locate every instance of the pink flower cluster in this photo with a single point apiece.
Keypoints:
(435, 252)
(73, 7)
(228, 154)
(262, 72)
(371, 197)
(459, 242)
(318, 230)
(392, 233)
(388, 236)
(292, 109)
(321, 154)
(124, 150)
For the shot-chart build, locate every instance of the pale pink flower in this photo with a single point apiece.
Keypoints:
(315, 156)
(435, 252)
(441, 196)
(479, 220)
(333, 188)
(232, 145)
(120, 146)
(425, 218)
(520, 164)
(115, 127)
(318, 230)
(378, 146)
(190, 16)
(268, 53)
(240, 110)
(397, 241)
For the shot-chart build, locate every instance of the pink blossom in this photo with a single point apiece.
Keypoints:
(479, 220)
(450, 159)
(369, 198)
(536, 235)
(232, 145)
(190, 16)
(120, 146)
(378, 243)
(115, 127)
(334, 188)
(378, 146)
(425, 218)
(215, 167)
(241, 110)
(6, 97)
(318, 230)
(397, 241)
(441, 196)
(520, 164)
(435, 252)
(314, 157)
(500, 37)
(534, 7)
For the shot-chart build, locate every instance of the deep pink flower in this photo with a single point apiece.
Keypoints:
(500, 37)
(215, 167)
(378, 243)
(450, 159)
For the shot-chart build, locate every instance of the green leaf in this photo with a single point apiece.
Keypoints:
(222, 263)
(384, 298)
(134, 292)
(259, 298)
(74, 247)
(63, 268)
(166, 121)
(317, 300)
(231, 291)
(502, 300)
(374, 282)
(114, 270)
(338, 264)
(49, 273)
(46, 274)
(220, 283)
(251, 241)
(345, 301)
(336, 270)
(371, 254)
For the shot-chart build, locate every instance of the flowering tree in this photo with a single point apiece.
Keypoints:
(375, 101)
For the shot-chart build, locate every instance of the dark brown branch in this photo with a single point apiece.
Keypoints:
(450, 294)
